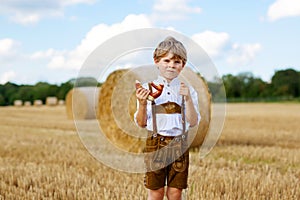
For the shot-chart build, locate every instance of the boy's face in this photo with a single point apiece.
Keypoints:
(169, 67)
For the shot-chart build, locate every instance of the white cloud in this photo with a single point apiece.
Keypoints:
(32, 11)
(212, 42)
(98, 34)
(73, 2)
(283, 8)
(8, 49)
(27, 18)
(7, 76)
(7, 46)
(172, 10)
(218, 46)
(243, 54)
(44, 54)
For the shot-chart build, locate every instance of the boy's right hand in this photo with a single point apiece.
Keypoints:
(142, 94)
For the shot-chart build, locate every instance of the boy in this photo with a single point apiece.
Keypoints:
(170, 124)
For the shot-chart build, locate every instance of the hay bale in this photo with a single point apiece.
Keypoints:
(18, 103)
(38, 102)
(117, 105)
(27, 103)
(61, 102)
(82, 103)
(51, 101)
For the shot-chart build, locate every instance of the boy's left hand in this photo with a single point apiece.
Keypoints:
(185, 91)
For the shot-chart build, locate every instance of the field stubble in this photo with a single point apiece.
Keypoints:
(256, 157)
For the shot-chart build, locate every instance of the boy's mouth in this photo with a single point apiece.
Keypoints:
(171, 71)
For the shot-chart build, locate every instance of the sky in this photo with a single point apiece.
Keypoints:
(49, 40)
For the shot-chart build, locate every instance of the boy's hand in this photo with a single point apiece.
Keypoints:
(185, 91)
(142, 94)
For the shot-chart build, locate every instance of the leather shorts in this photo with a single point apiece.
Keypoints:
(166, 160)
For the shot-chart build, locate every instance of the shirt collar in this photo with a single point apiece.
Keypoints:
(162, 80)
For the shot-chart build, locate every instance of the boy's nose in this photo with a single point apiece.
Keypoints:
(171, 64)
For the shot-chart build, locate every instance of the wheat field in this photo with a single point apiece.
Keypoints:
(256, 157)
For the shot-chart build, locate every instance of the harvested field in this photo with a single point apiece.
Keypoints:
(256, 157)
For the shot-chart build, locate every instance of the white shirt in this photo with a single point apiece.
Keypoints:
(169, 124)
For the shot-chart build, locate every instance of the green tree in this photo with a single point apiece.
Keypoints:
(2, 100)
(233, 86)
(217, 90)
(10, 92)
(252, 87)
(286, 83)
(25, 93)
(244, 86)
(85, 82)
(64, 89)
(40, 91)
(52, 90)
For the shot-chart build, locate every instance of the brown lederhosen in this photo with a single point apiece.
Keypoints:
(167, 157)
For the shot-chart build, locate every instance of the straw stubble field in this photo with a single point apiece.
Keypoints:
(257, 157)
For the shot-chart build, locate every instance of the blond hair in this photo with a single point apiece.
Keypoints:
(170, 45)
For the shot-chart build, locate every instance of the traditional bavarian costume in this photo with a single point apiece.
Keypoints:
(166, 151)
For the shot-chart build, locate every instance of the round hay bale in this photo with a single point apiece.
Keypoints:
(82, 103)
(117, 105)
(27, 103)
(18, 103)
(51, 101)
(61, 102)
(38, 102)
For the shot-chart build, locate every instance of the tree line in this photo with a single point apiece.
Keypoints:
(9, 92)
(284, 85)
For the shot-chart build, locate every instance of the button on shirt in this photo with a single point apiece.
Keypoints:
(169, 124)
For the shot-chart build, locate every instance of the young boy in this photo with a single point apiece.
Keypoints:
(170, 124)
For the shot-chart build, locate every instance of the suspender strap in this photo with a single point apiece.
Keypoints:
(183, 115)
(153, 109)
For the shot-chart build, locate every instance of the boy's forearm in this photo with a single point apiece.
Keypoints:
(141, 116)
(191, 114)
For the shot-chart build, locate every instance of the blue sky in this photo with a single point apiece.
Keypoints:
(49, 40)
